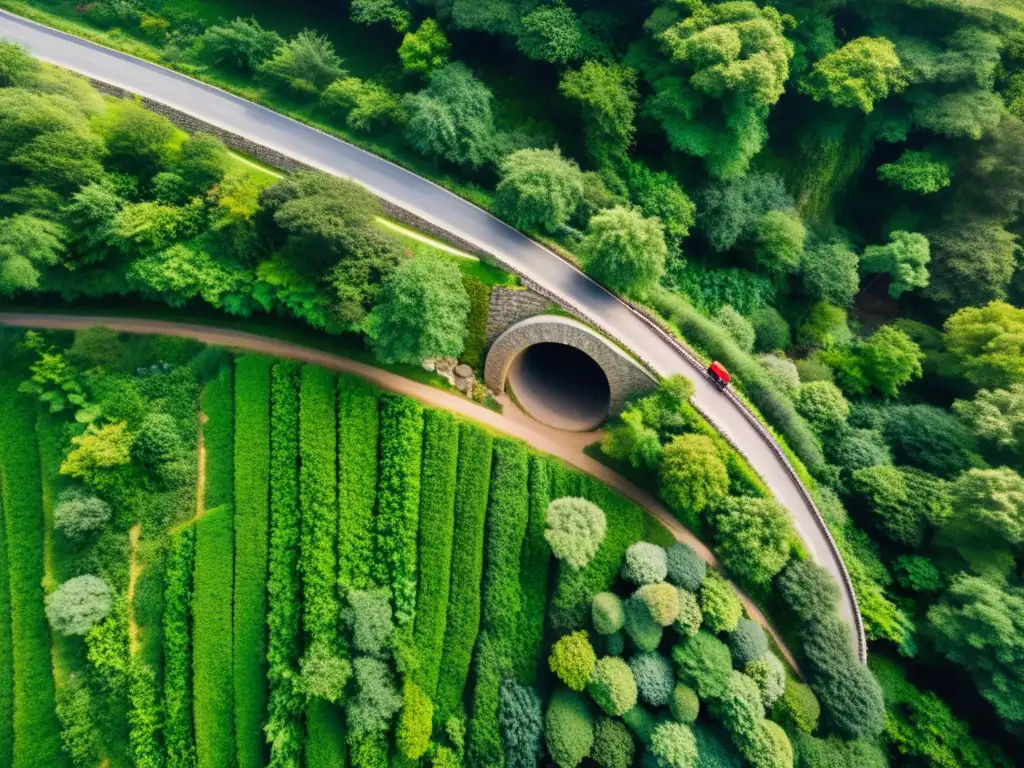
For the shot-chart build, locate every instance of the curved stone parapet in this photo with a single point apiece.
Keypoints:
(625, 375)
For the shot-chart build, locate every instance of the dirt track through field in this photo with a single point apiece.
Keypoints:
(564, 445)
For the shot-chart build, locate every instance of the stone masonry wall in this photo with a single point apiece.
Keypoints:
(509, 306)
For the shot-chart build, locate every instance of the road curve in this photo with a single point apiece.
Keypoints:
(470, 223)
(552, 441)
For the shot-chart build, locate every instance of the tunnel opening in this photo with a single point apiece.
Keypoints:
(560, 386)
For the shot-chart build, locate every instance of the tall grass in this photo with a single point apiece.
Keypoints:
(358, 435)
(471, 491)
(36, 728)
(437, 530)
(252, 489)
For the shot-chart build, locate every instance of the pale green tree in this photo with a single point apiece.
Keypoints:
(538, 189)
(424, 50)
(862, 72)
(624, 250)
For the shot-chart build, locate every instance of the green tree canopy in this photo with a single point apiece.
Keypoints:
(27, 245)
(424, 50)
(920, 172)
(241, 44)
(988, 344)
(830, 273)
(538, 189)
(996, 416)
(606, 93)
(624, 250)
(905, 258)
(863, 71)
(306, 64)
(754, 538)
(692, 475)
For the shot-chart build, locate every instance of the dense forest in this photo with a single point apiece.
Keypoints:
(824, 195)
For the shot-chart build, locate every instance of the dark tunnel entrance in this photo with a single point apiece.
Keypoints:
(560, 386)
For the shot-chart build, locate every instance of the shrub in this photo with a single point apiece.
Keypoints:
(78, 604)
(661, 601)
(79, 513)
(642, 629)
(252, 508)
(538, 189)
(714, 749)
(612, 686)
(851, 701)
(533, 569)
(823, 405)
(615, 644)
(692, 476)
(607, 613)
(569, 728)
(719, 604)
(645, 563)
(737, 326)
(684, 704)
(798, 707)
(704, 663)
(641, 722)
(747, 642)
(284, 707)
(398, 499)
(437, 527)
(833, 752)
(673, 745)
(463, 621)
(307, 63)
(686, 568)
(522, 724)
(414, 725)
(324, 675)
(769, 674)
(572, 660)
(575, 531)
(484, 733)
(79, 736)
(767, 746)
(178, 735)
(654, 677)
(690, 617)
(613, 745)
(739, 707)
(781, 372)
(376, 699)
(371, 619)
(754, 538)
(358, 447)
(808, 590)
(771, 331)
(479, 309)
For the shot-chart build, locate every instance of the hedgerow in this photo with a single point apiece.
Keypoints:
(6, 650)
(358, 437)
(36, 729)
(492, 665)
(177, 620)
(252, 487)
(471, 489)
(219, 439)
(533, 572)
(401, 452)
(317, 501)
(437, 528)
(212, 682)
(145, 716)
(414, 725)
(569, 728)
(325, 735)
(284, 705)
(479, 309)
(521, 721)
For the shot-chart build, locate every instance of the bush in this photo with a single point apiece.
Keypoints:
(414, 725)
(851, 701)
(690, 617)
(714, 749)
(661, 601)
(471, 487)
(484, 732)
(781, 372)
(719, 604)
(575, 531)
(376, 699)
(673, 745)
(613, 745)
(823, 405)
(704, 663)
(398, 500)
(692, 475)
(569, 728)
(79, 736)
(324, 675)
(607, 613)
(539, 189)
(654, 677)
(771, 331)
(476, 333)
(572, 660)
(284, 707)
(686, 568)
(754, 538)
(747, 642)
(79, 513)
(737, 326)
(645, 563)
(612, 686)
(642, 629)
(739, 707)
(684, 704)
(798, 707)
(767, 746)
(615, 644)
(371, 619)
(808, 590)
(307, 63)
(769, 674)
(358, 447)
(78, 604)
(834, 752)
(522, 724)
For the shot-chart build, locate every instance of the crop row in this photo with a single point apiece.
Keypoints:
(284, 706)
(471, 488)
(36, 730)
(6, 660)
(252, 486)
(178, 730)
(437, 528)
(534, 565)
(358, 434)
(398, 503)
(213, 586)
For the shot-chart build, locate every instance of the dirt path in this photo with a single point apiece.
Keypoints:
(134, 570)
(564, 445)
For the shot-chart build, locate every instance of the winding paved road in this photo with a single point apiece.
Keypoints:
(466, 221)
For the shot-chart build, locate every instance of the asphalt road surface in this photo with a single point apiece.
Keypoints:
(440, 207)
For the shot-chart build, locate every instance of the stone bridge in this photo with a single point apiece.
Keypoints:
(563, 373)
